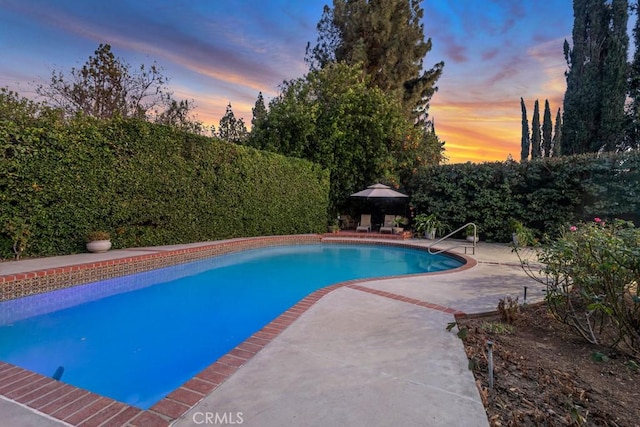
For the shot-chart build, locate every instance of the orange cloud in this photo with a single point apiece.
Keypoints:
(480, 118)
(478, 140)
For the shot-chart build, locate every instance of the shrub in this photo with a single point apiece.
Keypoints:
(98, 235)
(544, 194)
(462, 193)
(18, 232)
(523, 236)
(591, 274)
(147, 184)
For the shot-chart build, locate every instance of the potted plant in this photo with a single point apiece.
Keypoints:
(334, 226)
(472, 234)
(430, 225)
(420, 223)
(98, 241)
(398, 222)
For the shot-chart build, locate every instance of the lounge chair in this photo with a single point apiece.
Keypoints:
(387, 227)
(365, 223)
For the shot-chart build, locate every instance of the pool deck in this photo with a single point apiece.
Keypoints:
(370, 353)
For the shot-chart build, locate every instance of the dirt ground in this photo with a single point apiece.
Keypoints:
(546, 376)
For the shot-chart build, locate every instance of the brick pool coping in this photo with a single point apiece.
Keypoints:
(77, 406)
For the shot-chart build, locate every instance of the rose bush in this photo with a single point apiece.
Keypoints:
(591, 273)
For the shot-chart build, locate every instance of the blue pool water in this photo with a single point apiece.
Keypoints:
(137, 338)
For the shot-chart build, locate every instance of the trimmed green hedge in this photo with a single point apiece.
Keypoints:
(544, 194)
(146, 184)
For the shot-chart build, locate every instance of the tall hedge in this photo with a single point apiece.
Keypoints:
(544, 194)
(146, 184)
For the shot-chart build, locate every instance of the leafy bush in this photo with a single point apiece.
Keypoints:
(522, 236)
(544, 194)
(143, 183)
(97, 235)
(463, 193)
(591, 274)
(423, 223)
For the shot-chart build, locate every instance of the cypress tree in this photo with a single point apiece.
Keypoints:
(614, 80)
(547, 128)
(524, 142)
(556, 148)
(535, 132)
(633, 131)
(582, 98)
(594, 100)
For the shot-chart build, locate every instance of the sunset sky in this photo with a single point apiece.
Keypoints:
(221, 51)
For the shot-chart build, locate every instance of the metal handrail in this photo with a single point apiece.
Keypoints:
(475, 239)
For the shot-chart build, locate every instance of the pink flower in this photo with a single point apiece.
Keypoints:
(598, 220)
(573, 228)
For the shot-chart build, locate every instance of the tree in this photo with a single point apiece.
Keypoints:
(556, 143)
(524, 141)
(259, 114)
(334, 118)
(421, 147)
(259, 111)
(633, 112)
(594, 100)
(583, 95)
(535, 132)
(386, 39)
(231, 129)
(614, 79)
(547, 128)
(106, 87)
(177, 114)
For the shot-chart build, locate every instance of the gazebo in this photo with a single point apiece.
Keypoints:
(380, 200)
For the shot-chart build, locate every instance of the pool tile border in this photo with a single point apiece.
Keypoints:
(19, 285)
(80, 407)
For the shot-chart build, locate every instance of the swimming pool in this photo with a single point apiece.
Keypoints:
(137, 338)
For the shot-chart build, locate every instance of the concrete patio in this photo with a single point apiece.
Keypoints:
(362, 355)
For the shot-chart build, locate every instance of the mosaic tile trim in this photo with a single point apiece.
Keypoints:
(41, 281)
